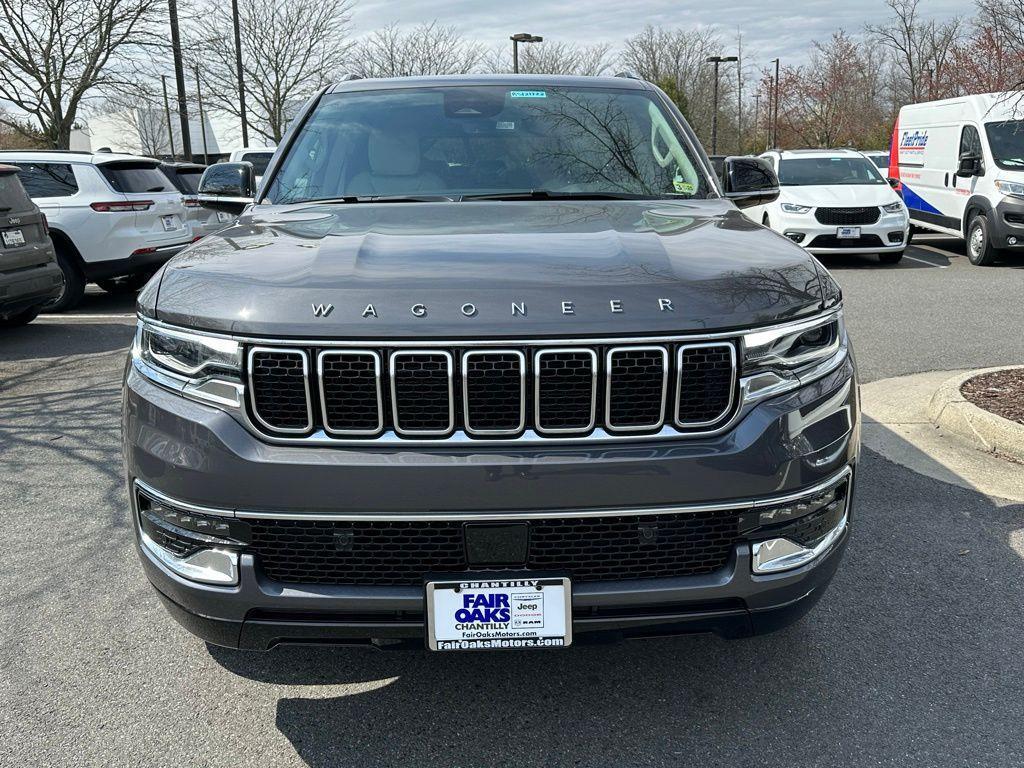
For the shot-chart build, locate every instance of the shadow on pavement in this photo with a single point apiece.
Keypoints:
(50, 340)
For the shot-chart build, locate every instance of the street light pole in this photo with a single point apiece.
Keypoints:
(521, 37)
(179, 77)
(238, 72)
(716, 60)
(757, 115)
(167, 111)
(202, 118)
(775, 108)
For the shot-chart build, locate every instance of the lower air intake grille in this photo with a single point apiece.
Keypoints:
(402, 553)
(278, 382)
(706, 374)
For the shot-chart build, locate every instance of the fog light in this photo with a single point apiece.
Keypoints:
(207, 566)
(1011, 240)
(781, 554)
(796, 237)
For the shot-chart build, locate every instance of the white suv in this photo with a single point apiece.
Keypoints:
(835, 201)
(114, 219)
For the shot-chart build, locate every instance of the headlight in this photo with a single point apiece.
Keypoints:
(776, 359)
(206, 367)
(893, 207)
(794, 208)
(1011, 188)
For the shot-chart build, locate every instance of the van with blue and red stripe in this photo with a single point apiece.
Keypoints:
(960, 167)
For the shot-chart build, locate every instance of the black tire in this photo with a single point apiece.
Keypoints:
(74, 284)
(766, 221)
(892, 257)
(979, 246)
(119, 286)
(24, 317)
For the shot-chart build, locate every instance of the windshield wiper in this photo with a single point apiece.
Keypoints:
(544, 194)
(351, 199)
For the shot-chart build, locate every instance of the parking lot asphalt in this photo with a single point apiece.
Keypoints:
(912, 658)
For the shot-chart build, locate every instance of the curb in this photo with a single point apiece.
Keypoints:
(951, 411)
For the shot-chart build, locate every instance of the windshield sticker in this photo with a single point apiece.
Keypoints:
(683, 187)
(529, 94)
(505, 125)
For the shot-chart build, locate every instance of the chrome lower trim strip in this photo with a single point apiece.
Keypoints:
(738, 504)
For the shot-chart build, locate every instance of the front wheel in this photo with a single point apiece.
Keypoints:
(980, 250)
(892, 257)
(127, 284)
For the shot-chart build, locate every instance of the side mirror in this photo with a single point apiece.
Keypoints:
(228, 187)
(894, 183)
(749, 181)
(970, 165)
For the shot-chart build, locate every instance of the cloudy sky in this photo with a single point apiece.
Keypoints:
(770, 27)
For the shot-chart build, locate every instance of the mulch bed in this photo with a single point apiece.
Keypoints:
(1000, 392)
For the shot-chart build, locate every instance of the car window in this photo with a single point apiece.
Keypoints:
(813, 171)
(12, 194)
(185, 180)
(970, 142)
(464, 140)
(259, 160)
(135, 177)
(47, 179)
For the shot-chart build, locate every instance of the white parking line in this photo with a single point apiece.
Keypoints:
(67, 318)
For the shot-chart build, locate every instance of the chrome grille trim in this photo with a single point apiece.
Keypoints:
(608, 388)
(537, 422)
(466, 357)
(679, 384)
(305, 377)
(398, 355)
(323, 396)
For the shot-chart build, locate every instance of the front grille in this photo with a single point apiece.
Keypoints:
(403, 552)
(831, 241)
(847, 216)
(492, 392)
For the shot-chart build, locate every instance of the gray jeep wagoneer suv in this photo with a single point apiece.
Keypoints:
(489, 362)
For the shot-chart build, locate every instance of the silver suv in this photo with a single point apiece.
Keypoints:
(114, 219)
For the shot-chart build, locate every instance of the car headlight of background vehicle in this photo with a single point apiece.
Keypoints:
(896, 207)
(1011, 188)
(794, 208)
(204, 367)
(784, 357)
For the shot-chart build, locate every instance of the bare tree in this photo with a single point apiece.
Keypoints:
(554, 58)
(427, 49)
(56, 54)
(920, 49)
(999, 31)
(290, 49)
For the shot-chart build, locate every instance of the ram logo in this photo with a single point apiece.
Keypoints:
(322, 310)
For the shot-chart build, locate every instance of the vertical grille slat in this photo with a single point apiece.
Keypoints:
(636, 383)
(279, 389)
(706, 382)
(350, 392)
(565, 382)
(422, 399)
(494, 392)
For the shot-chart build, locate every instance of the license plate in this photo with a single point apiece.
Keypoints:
(170, 223)
(13, 237)
(847, 233)
(490, 614)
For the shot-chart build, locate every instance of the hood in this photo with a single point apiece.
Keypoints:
(839, 195)
(486, 269)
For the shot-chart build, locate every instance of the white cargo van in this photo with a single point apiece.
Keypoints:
(960, 164)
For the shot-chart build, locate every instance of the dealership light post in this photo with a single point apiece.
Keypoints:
(202, 118)
(775, 107)
(716, 60)
(179, 79)
(522, 37)
(167, 111)
(238, 72)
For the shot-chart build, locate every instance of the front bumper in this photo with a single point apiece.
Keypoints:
(200, 455)
(821, 239)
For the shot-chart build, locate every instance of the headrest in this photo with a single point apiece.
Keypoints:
(394, 153)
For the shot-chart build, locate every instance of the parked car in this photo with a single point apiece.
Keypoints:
(467, 374)
(29, 275)
(960, 166)
(258, 156)
(114, 219)
(200, 219)
(879, 158)
(835, 201)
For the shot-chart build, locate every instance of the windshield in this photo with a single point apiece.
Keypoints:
(880, 161)
(1007, 142)
(813, 171)
(259, 160)
(461, 141)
